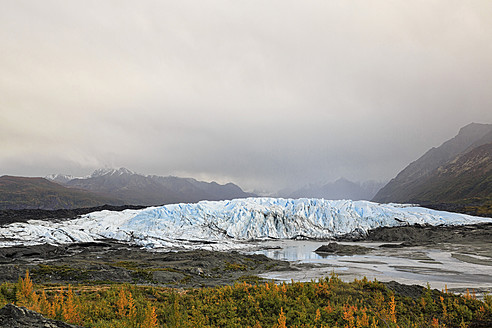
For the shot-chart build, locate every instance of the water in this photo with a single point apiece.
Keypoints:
(453, 266)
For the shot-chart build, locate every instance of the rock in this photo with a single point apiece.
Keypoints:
(167, 277)
(417, 235)
(413, 291)
(339, 249)
(13, 316)
(401, 245)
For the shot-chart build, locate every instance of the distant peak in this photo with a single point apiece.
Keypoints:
(61, 178)
(111, 171)
(123, 170)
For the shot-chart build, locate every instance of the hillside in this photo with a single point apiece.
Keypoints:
(455, 176)
(138, 189)
(39, 193)
(465, 182)
(466, 178)
(413, 179)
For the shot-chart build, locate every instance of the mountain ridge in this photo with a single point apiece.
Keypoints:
(138, 189)
(457, 176)
(39, 193)
(416, 173)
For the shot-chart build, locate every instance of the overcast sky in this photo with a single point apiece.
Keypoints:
(266, 94)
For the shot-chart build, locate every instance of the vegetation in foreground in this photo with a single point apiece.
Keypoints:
(325, 303)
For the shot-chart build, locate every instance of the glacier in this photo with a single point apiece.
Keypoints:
(231, 224)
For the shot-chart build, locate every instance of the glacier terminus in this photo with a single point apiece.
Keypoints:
(231, 224)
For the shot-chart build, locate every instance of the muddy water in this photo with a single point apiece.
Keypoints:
(455, 266)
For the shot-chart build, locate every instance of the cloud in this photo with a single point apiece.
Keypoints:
(265, 94)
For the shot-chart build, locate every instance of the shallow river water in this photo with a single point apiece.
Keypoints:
(457, 267)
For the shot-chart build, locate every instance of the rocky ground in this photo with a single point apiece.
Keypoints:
(19, 317)
(428, 235)
(417, 235)
(109, 262)
(479, 237)
(11, 216)
(340, 249)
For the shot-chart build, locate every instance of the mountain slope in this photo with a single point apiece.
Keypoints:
(410, 181)
(463, 184)
(339, 189)
(39, 193)
(138, 189)
(466, 178)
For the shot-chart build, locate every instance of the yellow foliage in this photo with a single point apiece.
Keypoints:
(132, 310)
(150, 320)
(122, 303)
(282, 320)
(69, 308)
(392, 306)
(444, 308)
(25, 291)
(318, 315)
(362, 320)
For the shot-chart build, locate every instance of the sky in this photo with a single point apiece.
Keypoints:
(265, 94)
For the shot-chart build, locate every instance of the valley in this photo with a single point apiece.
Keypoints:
(235, 239)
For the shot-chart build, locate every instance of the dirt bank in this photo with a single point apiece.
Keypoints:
(417, 235)
(340, 249)
(11, 216)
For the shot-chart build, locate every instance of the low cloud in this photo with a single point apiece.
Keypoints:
(265, 94)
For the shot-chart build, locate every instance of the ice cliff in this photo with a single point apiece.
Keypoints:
(226, 224)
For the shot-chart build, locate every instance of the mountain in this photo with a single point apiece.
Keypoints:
(463, 184)
(465, 178)
(221, 225)
(339, 189)
(137, 189)
(60, 178)
(39, 193)
(459, 171)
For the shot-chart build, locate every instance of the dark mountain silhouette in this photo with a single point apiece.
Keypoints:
(139, 189)
(456, 176)
(467, 178)
(411, 180)
(39, 193)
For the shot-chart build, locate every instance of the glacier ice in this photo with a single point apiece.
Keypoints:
(227, 224)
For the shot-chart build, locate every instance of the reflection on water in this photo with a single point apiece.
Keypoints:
(412, 265)
(293, 250)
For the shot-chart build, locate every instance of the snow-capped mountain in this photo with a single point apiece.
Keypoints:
(111, 172)
(138, 189)
(225, 224)
(60, 178)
